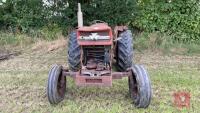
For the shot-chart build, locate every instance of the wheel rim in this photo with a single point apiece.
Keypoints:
(134, 87)
(61, 85)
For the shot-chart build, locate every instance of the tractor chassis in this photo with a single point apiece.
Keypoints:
(95, 80)
(98, 78)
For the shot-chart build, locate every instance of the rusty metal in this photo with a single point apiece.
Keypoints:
(100, 67)
(61, 86)
(133, 85)
(100, 27)
(66, 72)
(95, 27)
(94, 72)
(95, 78)
(117, 30)
(93, 57)
(91, 64)
(120, 75)
(93, 81)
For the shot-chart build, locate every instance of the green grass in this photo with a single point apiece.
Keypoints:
(164, 43)
(23, 85)
(48, 33)
(14, 39)
(142, 42)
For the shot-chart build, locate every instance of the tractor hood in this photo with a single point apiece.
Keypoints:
(95, 27)
(96, 34)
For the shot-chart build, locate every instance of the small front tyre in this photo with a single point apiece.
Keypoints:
(140, 86)
(56, 86)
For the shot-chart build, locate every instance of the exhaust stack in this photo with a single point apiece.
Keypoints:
(80, 16)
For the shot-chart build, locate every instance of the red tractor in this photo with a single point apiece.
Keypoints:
(92, 53)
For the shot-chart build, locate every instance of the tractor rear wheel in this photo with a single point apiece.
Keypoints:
(56, 86)
(74, 52)
(124, 52)
(140, 87)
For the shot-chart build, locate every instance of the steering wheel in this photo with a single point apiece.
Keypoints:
(97, 21)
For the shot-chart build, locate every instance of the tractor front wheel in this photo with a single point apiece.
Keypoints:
(140, 86)
(56, 86)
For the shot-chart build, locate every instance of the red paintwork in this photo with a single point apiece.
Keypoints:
(87, 43)
(93, 28)
(104, 80)
(93, 81)
(98, 81)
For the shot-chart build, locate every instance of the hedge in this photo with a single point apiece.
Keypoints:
(179, 18)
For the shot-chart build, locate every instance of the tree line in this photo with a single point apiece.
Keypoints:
(180, 18)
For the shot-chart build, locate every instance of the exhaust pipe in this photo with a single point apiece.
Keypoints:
(80, 16)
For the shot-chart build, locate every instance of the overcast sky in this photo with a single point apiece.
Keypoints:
(44, 1)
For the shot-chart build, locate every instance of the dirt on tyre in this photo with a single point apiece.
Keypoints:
(56, 86)
(124, 51)
(74, 52)
(140, 86)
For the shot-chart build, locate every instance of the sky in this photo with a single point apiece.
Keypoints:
(44, 1)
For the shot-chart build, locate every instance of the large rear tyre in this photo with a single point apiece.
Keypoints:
(56, 86)
(124, 52)
(140, 87)
(74, 52)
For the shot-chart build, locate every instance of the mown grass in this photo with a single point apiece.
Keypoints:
(23, 85)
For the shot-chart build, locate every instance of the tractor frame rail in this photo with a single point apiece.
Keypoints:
(106, 80)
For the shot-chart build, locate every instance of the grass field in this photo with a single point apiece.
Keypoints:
(23, 83)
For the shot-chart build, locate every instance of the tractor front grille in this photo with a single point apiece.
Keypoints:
(96, 57)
